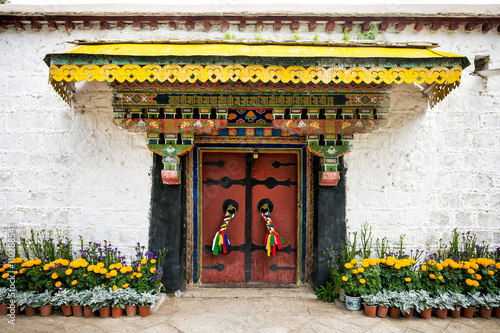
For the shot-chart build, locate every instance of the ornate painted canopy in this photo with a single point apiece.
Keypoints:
(229, 62)
(318, 96)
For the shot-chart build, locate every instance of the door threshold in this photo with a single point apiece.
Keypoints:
(249, 285)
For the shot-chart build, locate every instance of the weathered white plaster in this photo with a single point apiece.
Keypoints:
(427, 172)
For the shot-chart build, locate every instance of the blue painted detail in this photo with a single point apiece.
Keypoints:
(240, 132)
(223, 132)
(276, 132)
(259, 132)
(195, 215)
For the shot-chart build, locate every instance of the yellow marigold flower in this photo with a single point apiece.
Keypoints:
(408, 279)
(389, 262)
(397, 266)
(76, 265)
(152, 270)
(64, 262)
(468, 282)
(5, 275)
(18, 260)
(46, 267)
(118, 265)
(100, 265)
(474, 266)
(344, 278)
(102, 285)
(103, 270)
(112, 266)
(443, 264)
(361, 270)
(497, 265)
(2, 270)
(470, 271)
(472, 260)
(362, 281)
(466, 265)
(125, 285)
(130, 268)
(90, 268)
(365, 264)
(84, 264)
(139, 268)
(153, 261)
(432, 262)
(58, 284)
(113, 272)
(491, 272)
(423, 268)
(74, 282)
(355, 271)
(139, 275)
(38, 261)
(123, 270)
(432, 276)
(478, 277)
(55, 276)
(475, 284)
(383, 261)
(440, 277)
(348, 265)
(439, 267)
(108, 275)
(22, 271)
(412, 261)
(16, 272)
(115, 287)
(84, 275)
(69, 271)
(354, 261)
(144, 261)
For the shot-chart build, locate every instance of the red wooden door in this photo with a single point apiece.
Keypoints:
(247, 181)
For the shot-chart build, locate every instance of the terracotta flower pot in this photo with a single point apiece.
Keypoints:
(116, 311)
(17, 310)
(131, 310)
(3, 309)
(468, 312)
(144, 310)
(496, 312)
(29, 311)
(77, 310)
(455, 313)
(441, 313)
(382, 311)
(370, 311)
(410, 313)
(105, 311)
(426, 313)
(394, 312)
(87, 312)
(485, 313)
(46, 310)
(66, 310)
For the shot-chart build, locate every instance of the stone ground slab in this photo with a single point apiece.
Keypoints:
(247, 310)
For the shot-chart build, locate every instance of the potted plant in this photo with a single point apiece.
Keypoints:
(76, 300)
(486, 303)
(473, 299)
(132, 298)
(45, 303)
(3, 300)
(459, 301)
(63, 298)
(358, 281)
(444, 302)
(86, 302)
(424, 304)
(395, 303)
(409, 302)
(383, 302)
(370, 304)
(25, 301)
(118, 301)
(145, 301)
(100, 300)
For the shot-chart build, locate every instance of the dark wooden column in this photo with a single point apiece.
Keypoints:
(167, 227)
(330, 226)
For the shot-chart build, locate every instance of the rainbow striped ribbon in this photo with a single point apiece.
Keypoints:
(221, 243)
(272, 240)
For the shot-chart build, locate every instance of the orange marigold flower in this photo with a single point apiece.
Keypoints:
(362, 281)
(432, 276)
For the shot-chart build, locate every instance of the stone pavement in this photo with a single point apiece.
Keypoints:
(248, 310)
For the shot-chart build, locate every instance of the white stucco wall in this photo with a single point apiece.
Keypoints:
(428, 171)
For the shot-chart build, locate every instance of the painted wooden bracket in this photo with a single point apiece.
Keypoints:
(329, 176)
(193, 126)
(170, 174)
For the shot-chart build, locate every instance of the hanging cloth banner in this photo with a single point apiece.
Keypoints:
(221, 242)
(272, 240)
